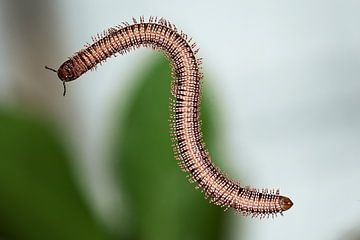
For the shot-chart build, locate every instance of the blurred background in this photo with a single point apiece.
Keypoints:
(280, 110)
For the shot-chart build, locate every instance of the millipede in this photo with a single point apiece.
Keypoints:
(185, 129)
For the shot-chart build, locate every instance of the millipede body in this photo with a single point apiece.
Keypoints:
(185, 128)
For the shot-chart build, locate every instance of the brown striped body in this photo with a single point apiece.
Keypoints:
(188, 144)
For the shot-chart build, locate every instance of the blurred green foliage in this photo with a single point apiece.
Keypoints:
(39, 198)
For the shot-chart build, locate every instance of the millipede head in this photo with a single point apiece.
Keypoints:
(66, 72)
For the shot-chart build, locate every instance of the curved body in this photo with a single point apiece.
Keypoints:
(188, 143)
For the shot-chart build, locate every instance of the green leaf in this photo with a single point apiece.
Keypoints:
(38, 196)
(160, 202)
